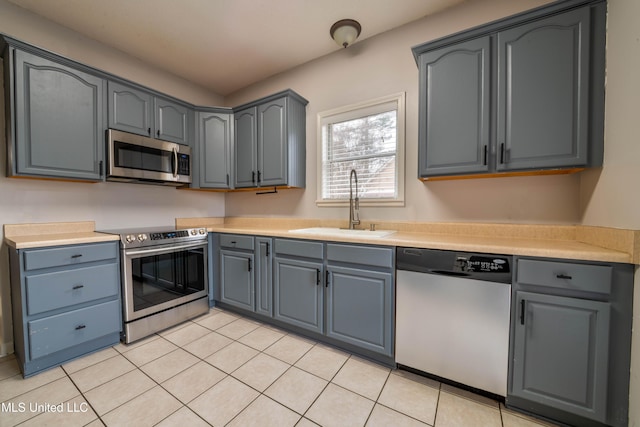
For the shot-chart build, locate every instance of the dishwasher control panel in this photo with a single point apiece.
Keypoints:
(472, 265)
(487, 264)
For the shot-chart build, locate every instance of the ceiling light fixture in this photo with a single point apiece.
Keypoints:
(345, 31)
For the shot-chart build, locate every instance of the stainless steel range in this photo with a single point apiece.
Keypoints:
(164, 278)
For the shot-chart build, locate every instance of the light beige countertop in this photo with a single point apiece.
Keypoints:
(25, 236)
(553, 241)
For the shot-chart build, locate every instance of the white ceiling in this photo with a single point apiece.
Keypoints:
(225, 45)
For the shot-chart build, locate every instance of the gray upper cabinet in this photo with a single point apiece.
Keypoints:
(246, 154)
(214, 150)
(455, 84)
(269, 143)
(272, 151)
(519, 95)
(562, 367)
(59, 115)
(130, 110)
(543, 93)
(173, 121)
(141, 112)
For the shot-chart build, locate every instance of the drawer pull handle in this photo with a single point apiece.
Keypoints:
(233, 242)
(249, 263)
(78, 287)
(80, 327)
(563, 276)
(76, 256)
(522, 312)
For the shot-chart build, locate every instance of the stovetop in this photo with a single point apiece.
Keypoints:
(158, 235)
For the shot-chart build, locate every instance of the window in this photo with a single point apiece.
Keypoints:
(369, 138)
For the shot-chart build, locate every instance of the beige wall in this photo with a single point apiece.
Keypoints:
(110, 205)
(384, 65)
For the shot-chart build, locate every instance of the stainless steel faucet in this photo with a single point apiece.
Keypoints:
(354, 203)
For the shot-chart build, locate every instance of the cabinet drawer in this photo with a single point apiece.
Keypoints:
(580, 277)
(237, 241)
(65, 288)
(378, 257)
(69, 255)
(299, 248)
(55, 333)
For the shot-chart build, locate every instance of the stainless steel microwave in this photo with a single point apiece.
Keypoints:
(137, 158)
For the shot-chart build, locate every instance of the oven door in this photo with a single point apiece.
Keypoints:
(162, 277)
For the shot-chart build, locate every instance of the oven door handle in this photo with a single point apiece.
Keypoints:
(164, 249)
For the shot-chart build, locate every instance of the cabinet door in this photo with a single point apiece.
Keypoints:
(215, 150)
(60, 120)
(245, 148)
(561, 353)
(360, 308)
(454, 109)
(172, 121)
(130, 110)
(543, 93)
(298, 293)
(272, 143)
(264, 284)
(236, 272)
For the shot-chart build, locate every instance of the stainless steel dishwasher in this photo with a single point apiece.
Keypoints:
(452, 316)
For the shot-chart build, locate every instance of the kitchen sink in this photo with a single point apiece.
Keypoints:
(337, 232)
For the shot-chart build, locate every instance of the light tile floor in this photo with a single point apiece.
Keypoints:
(221, 369)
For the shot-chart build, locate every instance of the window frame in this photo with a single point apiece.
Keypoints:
(353, 111)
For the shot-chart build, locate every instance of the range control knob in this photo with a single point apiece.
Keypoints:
(202, 231)
(130, 238)
(194, 232)
(142, 237)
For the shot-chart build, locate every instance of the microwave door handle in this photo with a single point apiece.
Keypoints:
(175, 162)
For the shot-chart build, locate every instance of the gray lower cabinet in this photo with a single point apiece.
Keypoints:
(264, 276)
(55, 118)
(269, 142)
(66, 302)
(561, 353)
(571, 341)
(521, 94)
(236, 270)
(341, 293)
(360, 296)
(138, 111)
(214, 139)
(298, 283)
(246, 273)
